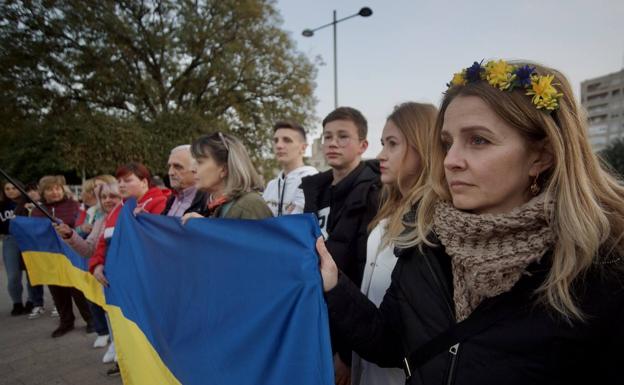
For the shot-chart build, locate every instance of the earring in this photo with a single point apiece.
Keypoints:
(535, 188)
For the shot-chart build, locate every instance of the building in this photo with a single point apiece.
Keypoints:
(603, 99)
(317, 160)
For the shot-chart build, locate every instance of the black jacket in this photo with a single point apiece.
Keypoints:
(7, 212)
(533, 345)
(198, 203)
(353, 202)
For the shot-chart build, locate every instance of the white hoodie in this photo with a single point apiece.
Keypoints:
(286, 190)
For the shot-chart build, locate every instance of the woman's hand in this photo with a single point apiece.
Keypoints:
(188, 216)
(141, 208)
(86, 228)
(98, 273)
(329, 270)
(63, 230)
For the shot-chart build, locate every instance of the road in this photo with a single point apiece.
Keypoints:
(30, 356)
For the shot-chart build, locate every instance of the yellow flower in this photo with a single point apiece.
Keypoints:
(544, 94)
(499, 74)
(459, 79)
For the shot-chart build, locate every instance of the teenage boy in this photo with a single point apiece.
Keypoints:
(345, 200)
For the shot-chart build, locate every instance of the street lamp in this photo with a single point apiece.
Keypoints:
(364, 12)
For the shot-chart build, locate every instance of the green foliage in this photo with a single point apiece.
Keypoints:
(613, 155)
(87, 85)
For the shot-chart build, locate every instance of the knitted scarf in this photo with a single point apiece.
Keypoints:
(490, 252)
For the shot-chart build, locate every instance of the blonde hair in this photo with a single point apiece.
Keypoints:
(588, 216)
(416, 122)
(110, 187)
(105, 178)
(88, 186)
(228, 150)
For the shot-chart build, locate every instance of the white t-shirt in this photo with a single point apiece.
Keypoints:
(285, 193)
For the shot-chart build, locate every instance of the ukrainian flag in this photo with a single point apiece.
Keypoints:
(215, 301)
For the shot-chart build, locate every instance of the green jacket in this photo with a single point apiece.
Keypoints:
(250, 205)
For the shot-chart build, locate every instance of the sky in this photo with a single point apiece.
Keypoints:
(408, 50)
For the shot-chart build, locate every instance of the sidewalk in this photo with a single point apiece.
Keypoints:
(29, 356)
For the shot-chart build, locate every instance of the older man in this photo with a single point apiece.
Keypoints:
(181, 168)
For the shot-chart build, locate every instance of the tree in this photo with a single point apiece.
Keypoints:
(97, 74)
(613, 155)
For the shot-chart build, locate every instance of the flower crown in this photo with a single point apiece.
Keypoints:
(507, 77)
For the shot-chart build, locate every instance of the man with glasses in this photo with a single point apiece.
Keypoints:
(182, 169)
(345, 200)
(283, 194)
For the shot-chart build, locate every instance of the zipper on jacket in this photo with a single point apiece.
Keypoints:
(451, 372)
(455, 348)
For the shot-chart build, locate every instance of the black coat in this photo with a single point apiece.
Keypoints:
(533, 345)
(7, 212)
(353, 204)
(198, 203)
(355, 201)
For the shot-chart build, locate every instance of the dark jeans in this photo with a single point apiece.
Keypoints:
(99, 319)
(63, 300)
(13, 265)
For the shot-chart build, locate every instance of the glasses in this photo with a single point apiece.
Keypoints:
(341, 141)
(227, 148)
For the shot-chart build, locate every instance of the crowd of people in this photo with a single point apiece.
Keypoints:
(483, 245)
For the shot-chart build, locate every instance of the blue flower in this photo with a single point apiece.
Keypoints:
(473, 73)
(523, 75)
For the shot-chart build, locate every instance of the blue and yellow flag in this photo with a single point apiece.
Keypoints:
(215, 301)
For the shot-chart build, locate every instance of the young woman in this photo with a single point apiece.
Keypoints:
(405, 148)
(225, 171)
(514, 272)
(11, 204)
(55, 201)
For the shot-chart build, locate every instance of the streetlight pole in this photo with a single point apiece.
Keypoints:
(335, 61)
(364, 12)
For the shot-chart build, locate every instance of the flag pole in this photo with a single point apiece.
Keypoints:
(19, 187)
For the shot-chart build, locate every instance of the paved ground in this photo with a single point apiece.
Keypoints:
(29, 356)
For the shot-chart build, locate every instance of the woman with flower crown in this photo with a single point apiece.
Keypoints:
(513, 273)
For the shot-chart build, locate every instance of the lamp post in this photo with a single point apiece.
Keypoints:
(364, 12)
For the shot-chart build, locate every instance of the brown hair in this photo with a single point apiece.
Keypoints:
(289, 124)
(49, 181)
(3, 196)
(352, 115)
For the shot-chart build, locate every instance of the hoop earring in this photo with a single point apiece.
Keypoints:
(535, 188)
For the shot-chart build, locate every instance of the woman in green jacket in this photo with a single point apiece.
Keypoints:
(225, 171)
